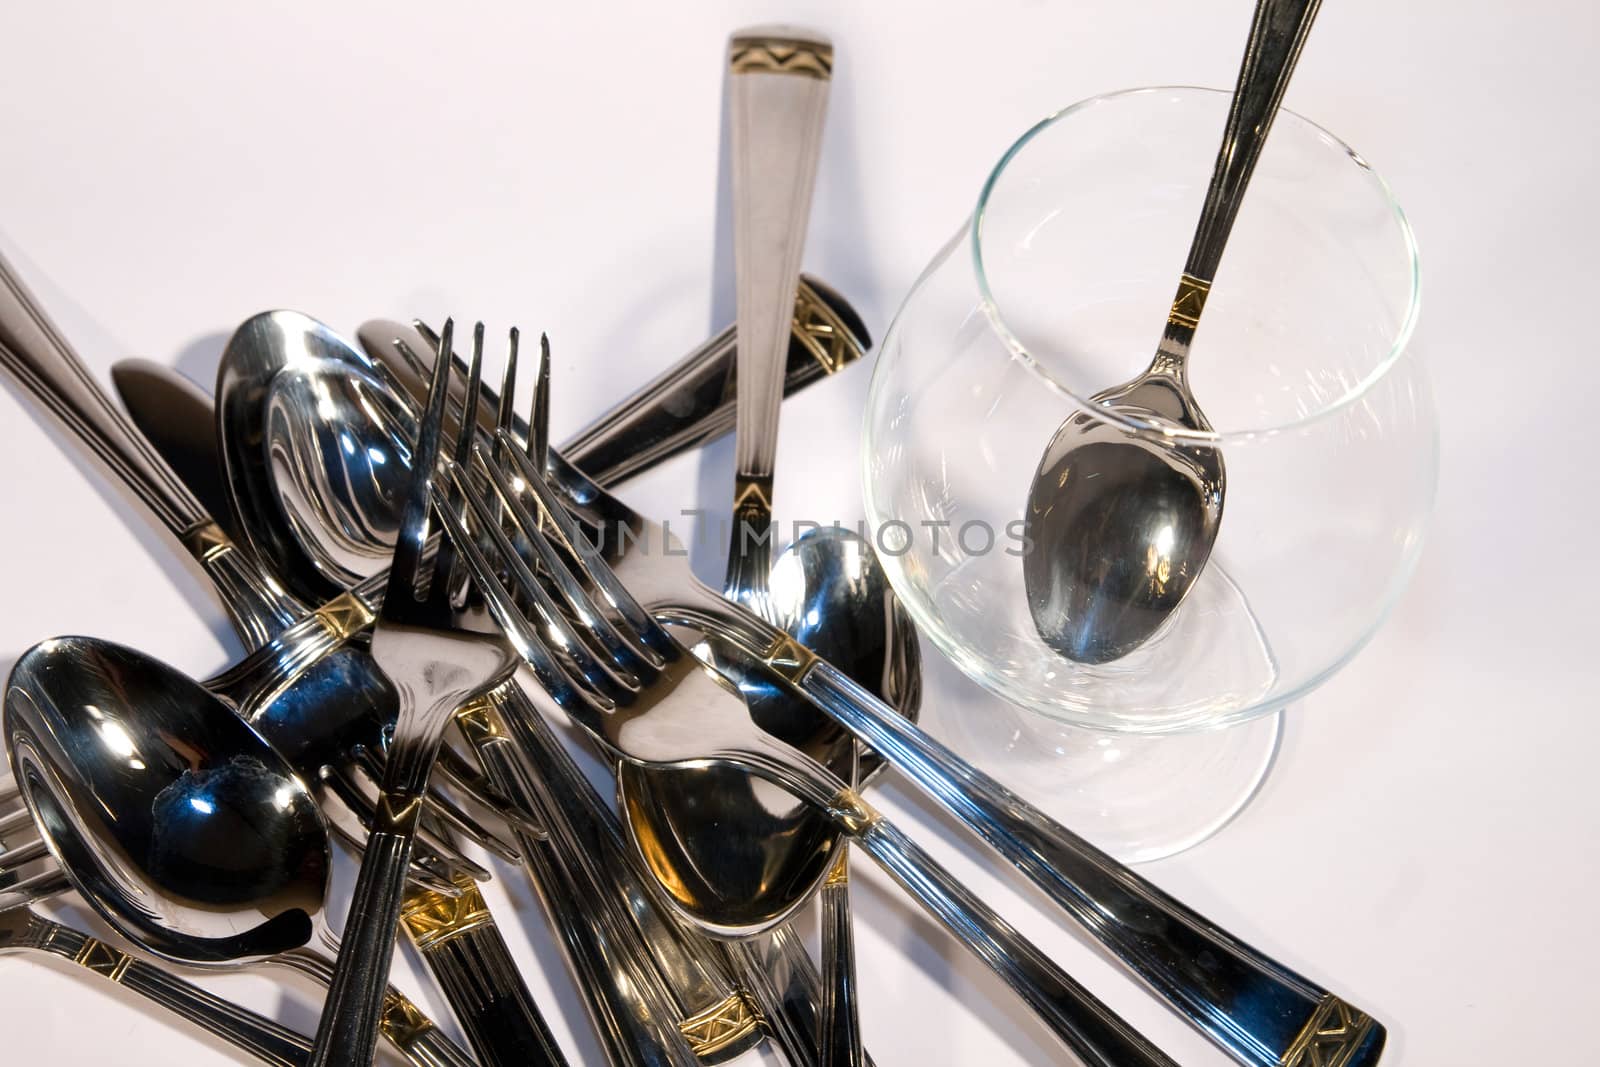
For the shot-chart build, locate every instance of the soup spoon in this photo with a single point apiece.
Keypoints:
(176, 821)
(1124, 508)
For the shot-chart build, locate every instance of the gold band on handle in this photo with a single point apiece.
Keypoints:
(780, 55)
(1330, 1038)
(839, 873)
(402, 1022)
(823, 333)
(206, 541)
(432, 918)
(102, 959)
(1190, 301)
(345, 616)
(719, 1026)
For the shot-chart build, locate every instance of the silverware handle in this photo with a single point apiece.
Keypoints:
(1095, 1034)
(1277, 34)
(620, 989)
(462, 948)
(242, 1028)
(841, 1020)
(778, 99)
(44, 364)
(1256, 1009)
(692, 401)
(348, 1031)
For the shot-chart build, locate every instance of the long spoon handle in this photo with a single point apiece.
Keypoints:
(1256, 1009)
(242, 1028)
(1095, 1033)
(692, 401)
(840, 1022)
(778, 98)
(1277, 34)
(35, 353)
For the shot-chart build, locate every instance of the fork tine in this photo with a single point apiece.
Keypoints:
(14, 859)
(34, 888)
(508, 382)
(522, 634)
(372, 766)
(611, 642)
(405, 572)
(539, 421)
(588, 559)
(469, 402)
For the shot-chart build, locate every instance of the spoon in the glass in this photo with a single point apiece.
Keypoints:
(1124, 508)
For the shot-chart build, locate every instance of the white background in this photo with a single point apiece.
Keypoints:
(1428, 841)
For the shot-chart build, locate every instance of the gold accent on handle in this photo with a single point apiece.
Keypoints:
(478, 721)
(857, 815)
(402, 1021)
(1190, 301)
(840, 872)
(102, 959)
(790, 658)
(206, 541)
(432, 918)
(753, 495)
(719, 1026)
(1330, 1038)
(823, 332)
(780, 55)
(345, 616)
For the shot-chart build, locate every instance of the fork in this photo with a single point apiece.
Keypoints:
(648, 699)
(435, 649)
(1257, 1010)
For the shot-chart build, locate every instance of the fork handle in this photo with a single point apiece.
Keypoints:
(35, 353)
(1095, 1034)
(348, 1031)
(1256, 1009)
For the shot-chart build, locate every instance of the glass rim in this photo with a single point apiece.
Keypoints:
(1147, 427)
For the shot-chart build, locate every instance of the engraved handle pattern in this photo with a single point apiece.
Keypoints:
(841, 1022)
(33, 351)
(1251, 1006)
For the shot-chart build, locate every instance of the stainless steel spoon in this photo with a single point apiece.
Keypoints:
(1122, 523)
(175, 820)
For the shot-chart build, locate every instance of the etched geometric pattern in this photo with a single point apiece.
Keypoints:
(345, 616)
(1331, 1037)
(823, 333)
(478, 721)
(718, 1026)
(1189, 302)
(206, 540)
(103, 959)
(402, 1021)
(789, 658)
(754, 496)
(433, 918)
(778, 56)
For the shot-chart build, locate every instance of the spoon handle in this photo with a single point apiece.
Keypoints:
(35, 353)
(1095, 1033)
(1256, 1009)
(778, 99)
(262, 1038)
(1277, 34)
(692, 401)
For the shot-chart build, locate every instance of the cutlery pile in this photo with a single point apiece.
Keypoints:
(429, 591)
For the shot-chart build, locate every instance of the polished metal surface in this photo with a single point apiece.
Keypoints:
(1250, 1005)
(22, 930)
(439, 658)
(691, 402)
(636, 985)
(177, 822)
(684, 714)
(471, 963)
(1123, 523)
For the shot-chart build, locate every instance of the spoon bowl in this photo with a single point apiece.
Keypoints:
(170, 815)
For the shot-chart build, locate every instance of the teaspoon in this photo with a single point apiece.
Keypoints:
(1122, 522)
